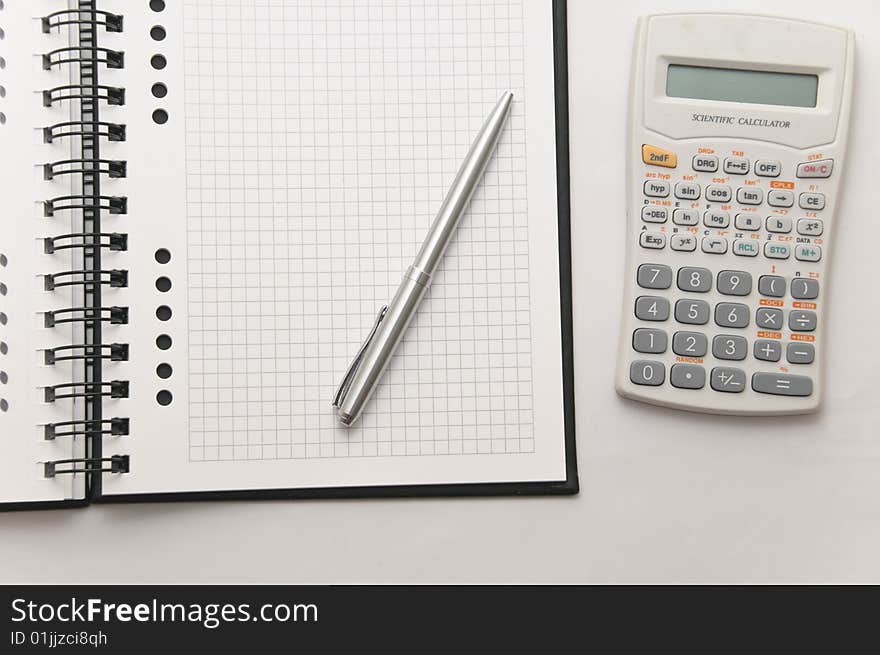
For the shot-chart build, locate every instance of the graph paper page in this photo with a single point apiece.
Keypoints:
(312, 144)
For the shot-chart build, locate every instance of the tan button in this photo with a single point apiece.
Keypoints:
(654, 156)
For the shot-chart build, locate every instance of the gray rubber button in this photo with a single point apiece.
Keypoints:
(692, 312)
(654, 276)
(814, 201)
(687, 376)
(780, 198)
(780, 384)
(732, 314)
(654, 214)
(737, 165)
(800, 353)
(690, 344)
(705, 163)
(769, 318)
(656, 188)
(734, 283)
(718, 193)
(730, 346)
(728, 380)
(716, 219)
(652, 308)
(804, 288)
(649, 340)
(647, 373)
(767, 350)
(801, 320)
(768, 168)
(771, 285)
(685, 216)
(692, 278)
(749, 196)
(687, 191)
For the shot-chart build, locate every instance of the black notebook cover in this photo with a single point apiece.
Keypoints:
(98, 459)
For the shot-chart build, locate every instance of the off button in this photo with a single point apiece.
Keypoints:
(654, 156)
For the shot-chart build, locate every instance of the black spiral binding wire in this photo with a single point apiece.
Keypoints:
(86, 56)
(90, 465)
(114, 427)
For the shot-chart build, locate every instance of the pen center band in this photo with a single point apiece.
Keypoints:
(418, 276)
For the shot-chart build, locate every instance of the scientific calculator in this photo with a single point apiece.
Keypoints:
(737, 136)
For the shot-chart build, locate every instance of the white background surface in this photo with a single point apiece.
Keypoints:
(666, 496)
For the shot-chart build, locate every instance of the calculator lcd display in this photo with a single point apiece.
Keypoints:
(734, 85)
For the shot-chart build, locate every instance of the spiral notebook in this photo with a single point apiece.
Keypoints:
(205, 202)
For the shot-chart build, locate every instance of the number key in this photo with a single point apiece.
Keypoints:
(654, 276)
(652, 308)
(729, 346)
(690, 344)
(649, 340)
(692, 278)
(734, 283)
(732, 314)
(692, 312)
(647, 373)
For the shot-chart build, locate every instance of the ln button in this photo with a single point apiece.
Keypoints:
(654, 156)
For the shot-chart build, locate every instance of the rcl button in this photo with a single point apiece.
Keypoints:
(820, 168)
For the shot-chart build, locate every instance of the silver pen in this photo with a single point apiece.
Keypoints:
(375, 354)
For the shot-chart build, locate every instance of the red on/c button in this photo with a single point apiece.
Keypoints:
(820, 168)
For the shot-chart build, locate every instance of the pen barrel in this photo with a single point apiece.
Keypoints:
(379, 351)
(467, 180)
(373, 359)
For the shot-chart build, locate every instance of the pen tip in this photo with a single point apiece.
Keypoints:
(505, 101)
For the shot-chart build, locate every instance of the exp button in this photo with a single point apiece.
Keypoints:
(654, 156)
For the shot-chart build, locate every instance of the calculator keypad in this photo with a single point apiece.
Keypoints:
(697, 340)
(742, 318)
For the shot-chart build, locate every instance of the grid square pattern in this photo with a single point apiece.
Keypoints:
(321, 139)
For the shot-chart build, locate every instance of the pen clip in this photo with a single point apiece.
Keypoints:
(342, 391)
